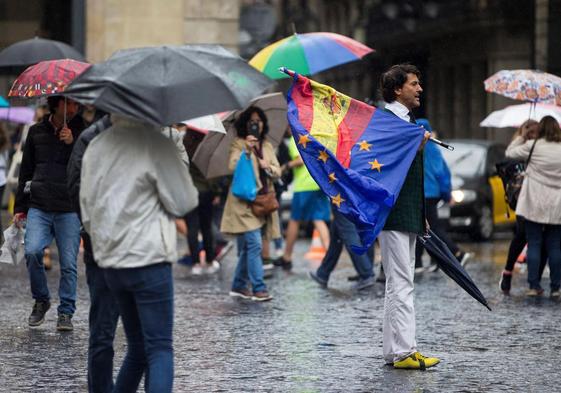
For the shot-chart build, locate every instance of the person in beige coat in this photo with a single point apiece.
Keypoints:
(540, 201)
(238, 218)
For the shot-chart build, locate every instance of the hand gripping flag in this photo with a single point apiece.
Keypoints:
(358, 155)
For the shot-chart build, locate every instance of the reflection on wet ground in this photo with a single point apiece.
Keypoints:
(307, 339)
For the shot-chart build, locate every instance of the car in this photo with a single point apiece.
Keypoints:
(478, 204)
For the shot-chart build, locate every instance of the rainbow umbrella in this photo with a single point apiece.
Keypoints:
(308, 54)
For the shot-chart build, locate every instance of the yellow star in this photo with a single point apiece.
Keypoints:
(375, 165)
(303, 140)
(323, 156)
(364, 146)
(332, 177)
(337, 200)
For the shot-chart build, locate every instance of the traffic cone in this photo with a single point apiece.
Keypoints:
(317, 251)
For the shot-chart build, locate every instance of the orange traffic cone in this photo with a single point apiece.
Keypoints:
(317, 251)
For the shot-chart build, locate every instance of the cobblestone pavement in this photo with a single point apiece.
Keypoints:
(307, 339)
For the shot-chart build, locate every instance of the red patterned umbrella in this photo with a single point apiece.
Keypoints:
(47, 77)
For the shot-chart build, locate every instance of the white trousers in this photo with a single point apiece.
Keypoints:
(398, 259)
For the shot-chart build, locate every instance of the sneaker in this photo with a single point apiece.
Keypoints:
(212, 267)
(433, 267)
(268, 264)
(185, 260)
(504, 284)
(222, 250)
(261, 296)
(38, 313)
(356, 277)
(534, 292)
(556, 294)
(64, 323)
(322, 283)
(419, 270)
(197, 270)
(464, 258)
(286, 265)
(243, 293)
(416, 361)
(364, 283)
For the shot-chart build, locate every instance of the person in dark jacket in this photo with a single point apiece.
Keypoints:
(401, 89)
(104, 312)
(42, 198)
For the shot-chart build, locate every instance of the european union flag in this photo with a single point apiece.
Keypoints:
(358, 155)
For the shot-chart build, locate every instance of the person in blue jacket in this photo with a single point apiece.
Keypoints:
(438, 186)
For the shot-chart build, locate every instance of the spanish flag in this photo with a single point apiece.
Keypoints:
(359, 155)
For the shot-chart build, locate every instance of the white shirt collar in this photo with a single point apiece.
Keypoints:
(399, 110)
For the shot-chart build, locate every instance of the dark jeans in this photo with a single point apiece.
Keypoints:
(436, 226)
(517, 245)
(343, 232)
(145, 299)
(104, 315)
(200, 219)
(550, 235)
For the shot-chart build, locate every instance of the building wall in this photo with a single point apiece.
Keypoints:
(118, 24)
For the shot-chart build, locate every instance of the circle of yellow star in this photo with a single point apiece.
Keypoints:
(364, 146)
(337, 200)
(323, 156)
(303, 140)
(375, 165)
(332, 177)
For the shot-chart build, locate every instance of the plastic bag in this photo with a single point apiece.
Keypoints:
(12, 251)
(244, 184)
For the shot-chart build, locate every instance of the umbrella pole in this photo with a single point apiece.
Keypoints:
(64, 111)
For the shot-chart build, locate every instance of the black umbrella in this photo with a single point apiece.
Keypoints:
(22, 54)
(448, 263)
(168, 84)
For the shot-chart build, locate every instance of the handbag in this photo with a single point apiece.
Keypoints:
(244, 184)
(512, 174)
(264, 204)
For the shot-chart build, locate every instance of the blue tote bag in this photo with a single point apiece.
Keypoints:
(244, 185)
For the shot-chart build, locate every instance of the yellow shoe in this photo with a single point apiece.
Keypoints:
(416, 361)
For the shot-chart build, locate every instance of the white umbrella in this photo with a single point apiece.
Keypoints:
(515, 115)
(205, 124)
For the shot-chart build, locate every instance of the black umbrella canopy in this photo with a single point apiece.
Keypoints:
(25, 53)
(168, 84)
(448, 263)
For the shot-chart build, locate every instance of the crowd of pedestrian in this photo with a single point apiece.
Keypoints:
(126, 188)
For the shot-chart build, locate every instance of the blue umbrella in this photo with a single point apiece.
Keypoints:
(4, 103)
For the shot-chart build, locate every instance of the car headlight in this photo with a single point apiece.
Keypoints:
(464, 196)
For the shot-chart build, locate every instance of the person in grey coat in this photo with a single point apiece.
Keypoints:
(134, 184)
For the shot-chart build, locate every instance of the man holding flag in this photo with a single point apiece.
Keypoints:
(361, 157)
(401, 90)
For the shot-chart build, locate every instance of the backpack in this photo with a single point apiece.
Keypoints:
(511, 173)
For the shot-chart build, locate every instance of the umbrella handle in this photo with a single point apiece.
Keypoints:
(64, 124)
(443, 144)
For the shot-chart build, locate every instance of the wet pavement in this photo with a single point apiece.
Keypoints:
(307, 339)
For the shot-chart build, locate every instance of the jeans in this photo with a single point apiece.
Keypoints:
(42, 226)
(343, 232)
(517, 245)
(538, 234)
(104, 315)
(250, 264)
(144, 296)
(200, 219)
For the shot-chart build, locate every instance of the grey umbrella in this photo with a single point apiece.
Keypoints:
(168, 84)
(18, 56)
(211, 157)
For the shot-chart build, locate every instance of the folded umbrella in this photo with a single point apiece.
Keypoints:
(211, 157)
(168, 84)
(448, 263)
